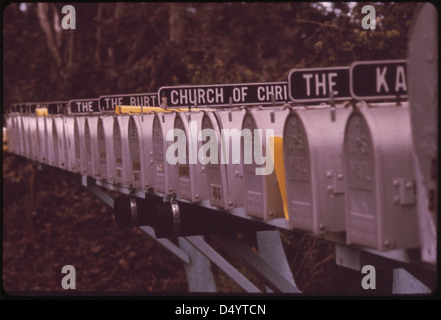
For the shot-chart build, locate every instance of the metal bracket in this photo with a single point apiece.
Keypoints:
(405, 191)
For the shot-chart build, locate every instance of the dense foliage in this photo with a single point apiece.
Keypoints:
(138, 47)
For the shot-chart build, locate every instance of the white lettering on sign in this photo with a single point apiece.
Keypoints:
(84, 106)
(381, 80)
(266, 93)
(307, 77)
(400, 79)
(239, 94)
(143, 101)
(321, 83)
(196, 96)
(113, 102)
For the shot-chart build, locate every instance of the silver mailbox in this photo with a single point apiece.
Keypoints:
(164, 177)
(313, 150)
(27, 145)
(262, 197)
(58, 141)
(79, 145)
(225, 177)
(41, 143)
(380, 193)
(10, 132)
(191, 174)
(123, 168)
(48, 151)
(141, 150)
(33, 136)
(91, 146)
(69, 127)
(105, 148)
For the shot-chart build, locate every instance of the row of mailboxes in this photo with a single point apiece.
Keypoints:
(350, 172)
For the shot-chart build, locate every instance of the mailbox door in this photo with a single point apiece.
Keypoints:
(165, 178)
(360, 170)
(136, 153)
(121, 150)
(12, 138)
(102, 149)
(65, 162)
(48, 139)
(105, 147)
(262, 193)
(93, 129)
(141, 145)
(380, 203)
(118, 151)
(185, 175)
(198, 175)
(22, 144)
(33, 136)
(230, 124)
(26, 137)
(57, 133)
(325, 137)
(9, 133)
(70, 142)
(215, 172)
(79, 142)
(297, 158)
(88, 148)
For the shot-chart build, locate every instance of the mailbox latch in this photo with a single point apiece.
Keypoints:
(335, 181)
(404, 191)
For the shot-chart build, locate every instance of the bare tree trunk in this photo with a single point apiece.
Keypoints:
(176, 22)
(99, 19)
(46, 26)
(70, 50)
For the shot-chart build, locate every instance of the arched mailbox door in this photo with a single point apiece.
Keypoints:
(380, 194)
(79, 143)
(224, 174)
(123, 169)
(58, 143)
(313, 147)
(191, 174)
(9, 133)
(32, 135)
(12, 136)
(49, 141)
(141, 150)
(91, 146)
(40, 139)
(164, 176)
(105, 148)
(262, 197)
(69, 123)
(27, 136)
(136, 153)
